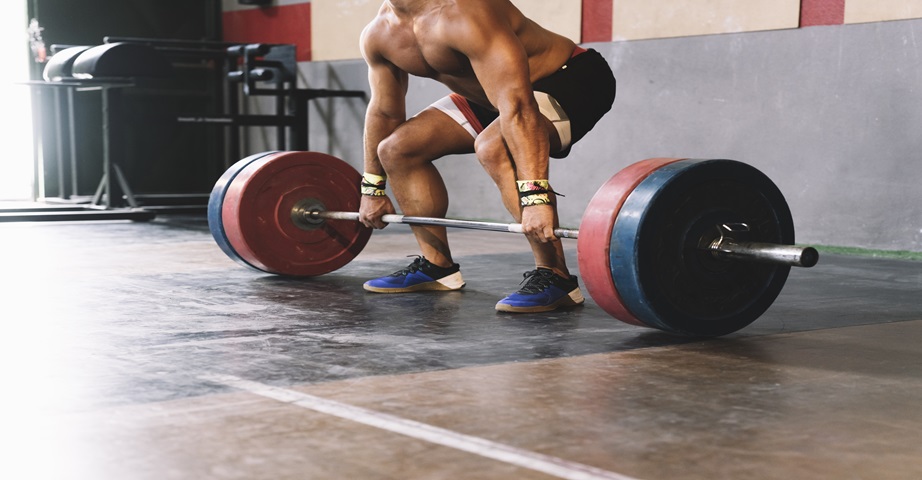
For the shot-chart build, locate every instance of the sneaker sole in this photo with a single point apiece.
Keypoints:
(572, 299)
(445, 284)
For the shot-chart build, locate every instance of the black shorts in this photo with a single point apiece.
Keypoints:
(583, 88)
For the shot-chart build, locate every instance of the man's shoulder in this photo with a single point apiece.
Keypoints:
(374, 36)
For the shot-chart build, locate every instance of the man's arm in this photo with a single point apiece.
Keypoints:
(386, 111)
(501, 65)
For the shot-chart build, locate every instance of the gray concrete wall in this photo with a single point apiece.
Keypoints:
(832, 114)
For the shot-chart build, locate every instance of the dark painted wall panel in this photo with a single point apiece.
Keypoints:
(160, 156)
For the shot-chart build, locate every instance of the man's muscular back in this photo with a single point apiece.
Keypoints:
(435, 38)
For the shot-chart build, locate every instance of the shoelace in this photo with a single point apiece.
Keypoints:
(536, 281)
(413, 267)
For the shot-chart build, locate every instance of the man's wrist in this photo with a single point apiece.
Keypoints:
(373, 185)
(534, 192)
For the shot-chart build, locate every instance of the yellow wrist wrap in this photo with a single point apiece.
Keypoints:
(373, 185)
(534, 192)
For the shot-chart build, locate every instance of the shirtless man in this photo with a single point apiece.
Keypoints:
(520, 94)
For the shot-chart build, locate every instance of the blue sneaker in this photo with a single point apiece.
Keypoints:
(419, 276)
(544, 291)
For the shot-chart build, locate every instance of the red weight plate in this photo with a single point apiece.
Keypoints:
(257, 214)
(593, 245)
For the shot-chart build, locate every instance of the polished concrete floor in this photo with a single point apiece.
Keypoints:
(139, 351)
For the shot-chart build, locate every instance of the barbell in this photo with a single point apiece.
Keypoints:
(698, 247)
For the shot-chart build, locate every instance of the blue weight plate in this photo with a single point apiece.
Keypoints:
(594, 248)
(666, 280)
(216, 203)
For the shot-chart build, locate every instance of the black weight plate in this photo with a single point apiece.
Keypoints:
(666, 279)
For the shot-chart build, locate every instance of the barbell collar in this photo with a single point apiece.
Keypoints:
(733, 243)
(792, 255)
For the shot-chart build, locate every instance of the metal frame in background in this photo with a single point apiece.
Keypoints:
(101, 206)
(261, 64)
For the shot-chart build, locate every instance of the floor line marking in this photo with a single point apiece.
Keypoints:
(555, 466)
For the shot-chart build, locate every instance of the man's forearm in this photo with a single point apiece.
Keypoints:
(377, 128)
(529, 146)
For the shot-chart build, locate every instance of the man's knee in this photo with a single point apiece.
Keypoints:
(492, 153)
(390, 152)
(399, 151)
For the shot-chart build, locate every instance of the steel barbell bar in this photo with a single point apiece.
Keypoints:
(724, 246)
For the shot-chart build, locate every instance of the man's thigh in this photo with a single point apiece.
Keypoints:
(433, 134)
(493, 132)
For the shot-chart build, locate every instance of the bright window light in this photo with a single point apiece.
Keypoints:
(16, 160)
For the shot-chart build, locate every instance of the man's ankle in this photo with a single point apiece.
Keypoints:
(563, 273)
(441, 261)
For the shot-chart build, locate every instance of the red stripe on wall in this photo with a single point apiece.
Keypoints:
(822, 12)
(282, 24)
(597, 19)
